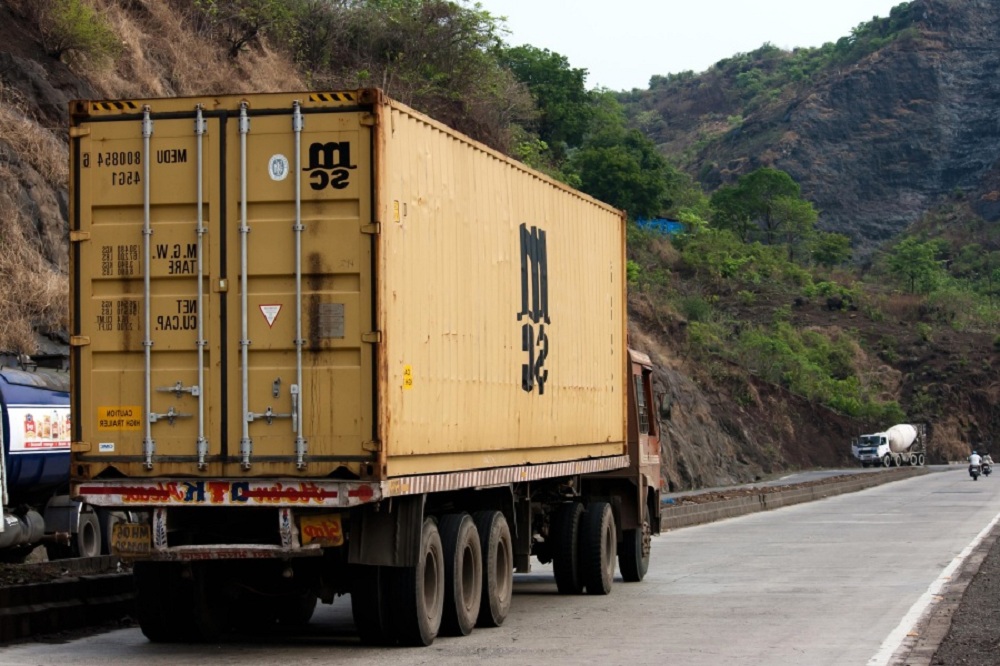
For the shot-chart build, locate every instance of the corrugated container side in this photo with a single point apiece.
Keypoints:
(502, 302)
(459, 311)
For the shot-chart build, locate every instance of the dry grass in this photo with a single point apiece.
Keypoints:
(164, 54)
(30, 141)
(34, 294)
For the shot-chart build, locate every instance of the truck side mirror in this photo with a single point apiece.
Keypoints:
(664, 402)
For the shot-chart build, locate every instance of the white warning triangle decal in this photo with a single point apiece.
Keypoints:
(270, 313)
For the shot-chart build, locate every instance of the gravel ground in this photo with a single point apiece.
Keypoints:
(974, 636)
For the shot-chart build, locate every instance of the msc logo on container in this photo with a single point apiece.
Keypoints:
(330, 165)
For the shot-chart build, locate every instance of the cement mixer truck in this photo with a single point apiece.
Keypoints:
(902, 444)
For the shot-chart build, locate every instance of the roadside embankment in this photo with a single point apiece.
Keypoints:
(709, 507)
(88, 592)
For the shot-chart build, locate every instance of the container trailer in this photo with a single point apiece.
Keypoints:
(323, 344)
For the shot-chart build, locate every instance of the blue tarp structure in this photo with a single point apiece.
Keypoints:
(662, 225)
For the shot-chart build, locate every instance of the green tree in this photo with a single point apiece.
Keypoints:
(620, 166)
(437, 56)
(766, 200)
(241, 22)
(829, 249)
(74, 26)
(915, 262)
(731, 210)
(763, 189)
(796, 219)
(559, 92)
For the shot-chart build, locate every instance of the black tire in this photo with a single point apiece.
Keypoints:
(633, 558)
(463, 574)
(159, 614)
(498, 568)
(87, 540)
(369, 605)
(564, 532)
(84, 542)
(296, 610)
(920, 459)
(887, 460)
(598, 546)
(418, 592)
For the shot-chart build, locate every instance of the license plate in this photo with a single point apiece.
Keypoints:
(131, 540)
(323, 529)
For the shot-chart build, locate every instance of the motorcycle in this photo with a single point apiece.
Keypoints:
(987, 469)
(974, 471)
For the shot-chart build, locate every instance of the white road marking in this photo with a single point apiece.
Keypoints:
(909, 621)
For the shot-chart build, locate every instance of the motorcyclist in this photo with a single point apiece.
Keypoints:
(987, 459)
(975, 462)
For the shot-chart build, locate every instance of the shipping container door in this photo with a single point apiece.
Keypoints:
(252, 362)
(143, 324)
(300, 359)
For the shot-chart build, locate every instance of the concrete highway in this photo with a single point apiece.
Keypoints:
(844, 580)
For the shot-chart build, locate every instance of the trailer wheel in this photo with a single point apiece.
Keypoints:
(161, 604)
(565, 556)
(463, 574)
(598, 546)
(369, 605)
(87, 540)
(418, 592)
(296, 610)
(498, 568)
(633, 558)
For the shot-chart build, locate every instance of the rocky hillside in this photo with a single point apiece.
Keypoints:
(862, 142)
(876, 136)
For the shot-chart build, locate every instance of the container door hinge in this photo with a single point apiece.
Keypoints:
(374, 228)
(373, 446)
(373, 337)
(367, 120)
(79, 236)
(78, 132)
(79, 340)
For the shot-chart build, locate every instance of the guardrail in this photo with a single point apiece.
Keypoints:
(686, 515)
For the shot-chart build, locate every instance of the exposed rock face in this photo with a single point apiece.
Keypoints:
(875, 145)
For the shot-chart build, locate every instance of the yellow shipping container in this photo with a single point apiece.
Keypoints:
(332, 285)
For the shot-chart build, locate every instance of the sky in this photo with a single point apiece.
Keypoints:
(622, 43)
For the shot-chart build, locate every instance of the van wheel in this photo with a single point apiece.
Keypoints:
(598, 546)
(498, 568)
(463, 574)
(565, 556)
(418, 592)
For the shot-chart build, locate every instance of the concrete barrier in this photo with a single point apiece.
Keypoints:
(684, 515)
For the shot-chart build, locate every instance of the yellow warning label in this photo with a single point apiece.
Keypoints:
(124, 417)
(407, 377)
